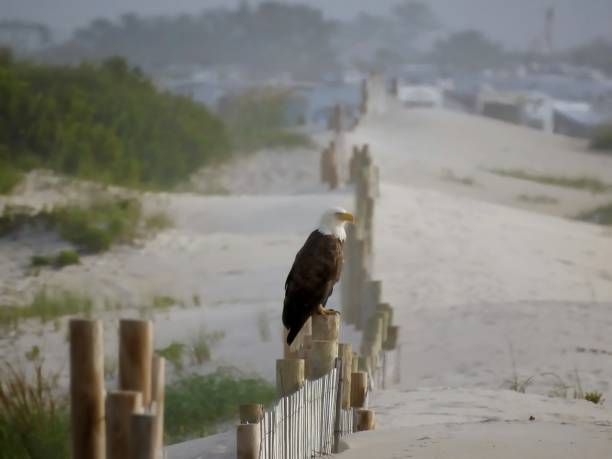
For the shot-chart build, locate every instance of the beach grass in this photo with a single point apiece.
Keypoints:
(197, 404)
(60, 260)
(592, 184)
(34, 415)
(46, 306)
(601, 215)
(536, 199)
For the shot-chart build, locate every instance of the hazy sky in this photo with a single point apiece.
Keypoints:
(515, 22)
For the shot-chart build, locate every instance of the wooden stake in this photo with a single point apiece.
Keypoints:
(120, 405)
(359, 389)
(293, 351)
(248, 441)
(135, 357)
(158, 379)
(251, 413)
(392, 335)
(364, 420)
(87, 389)
(322, 358)
(289, 376)
(142, 436)
(355, 363)
(346, 354)
(325, 327)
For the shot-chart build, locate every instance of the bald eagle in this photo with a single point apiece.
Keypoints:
(315, 271)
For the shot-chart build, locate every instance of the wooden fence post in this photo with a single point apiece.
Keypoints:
(142, 436)
(305, 335)
(325, 327)
(365, 420)
(289, 376)
(87, 389)
(248, 441)
(391, 342)
(355, 362)
(338, 405)
(364, 96)
(135, 357)
(322, 357)
(359, 389)
(158, 381)
(346, 354)
(120, 405)
(293, 351)
(251, 413)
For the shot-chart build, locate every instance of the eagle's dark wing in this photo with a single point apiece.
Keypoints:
(317, 267)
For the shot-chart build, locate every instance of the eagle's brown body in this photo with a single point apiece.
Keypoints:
(315, 271)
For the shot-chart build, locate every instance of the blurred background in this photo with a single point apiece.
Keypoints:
(161, 160)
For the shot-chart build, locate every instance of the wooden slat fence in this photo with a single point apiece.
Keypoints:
(302, 425)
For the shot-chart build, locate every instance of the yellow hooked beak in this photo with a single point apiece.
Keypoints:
(345, 217)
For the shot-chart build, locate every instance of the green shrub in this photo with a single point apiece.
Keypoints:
(594, 397)
(103, 122)
(158, 221)
(66, 258)
(34, 418)
(196, 404)
(256, 119)
(60, 260)
(601, 215)
(602, 138)
(93, 229)
(9, 177)
(173, 353)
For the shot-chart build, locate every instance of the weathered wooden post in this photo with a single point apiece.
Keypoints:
(325, 331)
(293, 351)
(359, 389)
(355, 362)
(305, 335)
(158, 381)
(136, 357)
(358, 279)
(289, 376)
(251, 413)
(120, 406)
(248, 441)
(142, 436)
(364, 96)
(329, 167)
(325, 327)
(87, 389)
(322, 358)
(391, 342)
(395, 87)
(365, 420)
(346, 354)
(371, 294)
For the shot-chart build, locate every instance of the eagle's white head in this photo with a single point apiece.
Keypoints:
(333, 222)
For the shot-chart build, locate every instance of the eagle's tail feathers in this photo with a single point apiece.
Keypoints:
(291, 336)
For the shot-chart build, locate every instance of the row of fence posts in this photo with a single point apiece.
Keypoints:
(126, 423)
(316, 365)
(322, 395)
(373, 100)
(362, 304)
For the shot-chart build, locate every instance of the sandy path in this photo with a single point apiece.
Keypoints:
(420, 148)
